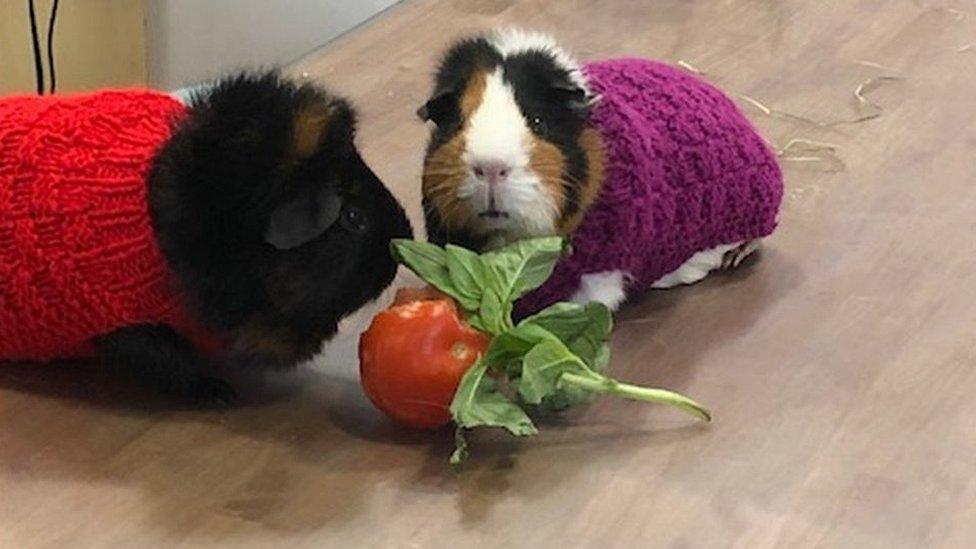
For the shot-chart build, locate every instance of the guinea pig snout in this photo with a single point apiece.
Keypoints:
(493, 183)
(492, 172)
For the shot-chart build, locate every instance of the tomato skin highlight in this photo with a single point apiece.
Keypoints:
(412, 358)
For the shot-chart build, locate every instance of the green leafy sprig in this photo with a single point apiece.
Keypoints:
(554, 359)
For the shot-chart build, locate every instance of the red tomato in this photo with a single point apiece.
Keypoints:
(412, 359)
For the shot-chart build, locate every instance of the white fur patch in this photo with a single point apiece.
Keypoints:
(514, 41)
(697, 267)
(606, 287)
(497, 129)
(497, 132)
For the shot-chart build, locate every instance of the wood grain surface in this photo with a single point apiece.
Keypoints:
(841, 365)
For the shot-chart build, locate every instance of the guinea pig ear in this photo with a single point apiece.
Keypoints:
(303, 219)
(436, 107)
(341, 130)
(423, 113)
(576, 97)
(321, 124)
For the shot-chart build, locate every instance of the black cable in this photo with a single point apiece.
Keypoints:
(35, 41)
(50, 47)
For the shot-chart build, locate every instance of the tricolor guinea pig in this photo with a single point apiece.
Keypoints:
(159, 235)
(654, 175)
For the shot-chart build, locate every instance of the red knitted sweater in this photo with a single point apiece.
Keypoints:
(78, 257)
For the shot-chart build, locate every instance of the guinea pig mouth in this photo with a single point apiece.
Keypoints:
(493, 214)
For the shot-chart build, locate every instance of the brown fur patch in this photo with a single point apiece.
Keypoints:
(549, 163)
(444, 171)
(474, 93)
(310, 123)
(275, 347)
(593, 146)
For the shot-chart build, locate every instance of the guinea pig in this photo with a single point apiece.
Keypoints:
(654, 176)
(160, 236)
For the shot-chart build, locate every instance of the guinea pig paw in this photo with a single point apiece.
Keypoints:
(212, 391)
(736, 256)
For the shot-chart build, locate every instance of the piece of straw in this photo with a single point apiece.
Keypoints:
(804, 150)
(874, 65)
(958, 15)
(776, 113)
(755, 103)
(690, 68)
(869, 85)
(860, 93)
(803, 144)
(966, 47)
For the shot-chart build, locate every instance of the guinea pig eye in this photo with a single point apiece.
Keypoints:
(353, 219)
(538, 125)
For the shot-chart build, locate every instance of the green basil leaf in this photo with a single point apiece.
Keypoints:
(428, 261)
(543, 367)
(509, 348)
(478, 402)
(522, 266)
(493, 313)
(567, 396)
(520, 340)
(474, 319)
(467, 273)
(601, 359)
(584, 329)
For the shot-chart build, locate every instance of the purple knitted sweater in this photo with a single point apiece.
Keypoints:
(686, 172)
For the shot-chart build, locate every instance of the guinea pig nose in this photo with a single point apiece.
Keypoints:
(491, 171)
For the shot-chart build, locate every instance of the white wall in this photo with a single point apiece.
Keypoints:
(193, 40)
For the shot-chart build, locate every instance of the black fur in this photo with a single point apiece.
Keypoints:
(163, 360)
(557, 111)
(555, 108)
(228, 170)
(459, 64)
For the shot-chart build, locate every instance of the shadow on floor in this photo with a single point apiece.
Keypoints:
(296, 437)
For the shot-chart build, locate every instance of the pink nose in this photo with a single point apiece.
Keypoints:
(492, 171)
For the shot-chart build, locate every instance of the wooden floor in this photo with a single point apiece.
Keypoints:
(841, 366)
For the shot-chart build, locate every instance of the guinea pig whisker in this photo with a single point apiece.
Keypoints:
(442, 196)
(441, 178)
(439, 191)
(448, 211)
(436, 205)
(443, 162)
(446, 189)
(443, 173)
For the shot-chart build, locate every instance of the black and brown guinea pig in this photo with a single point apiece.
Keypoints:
(159, 236)
(655, 176)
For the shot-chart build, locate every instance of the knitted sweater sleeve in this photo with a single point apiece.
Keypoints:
(78, 256)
